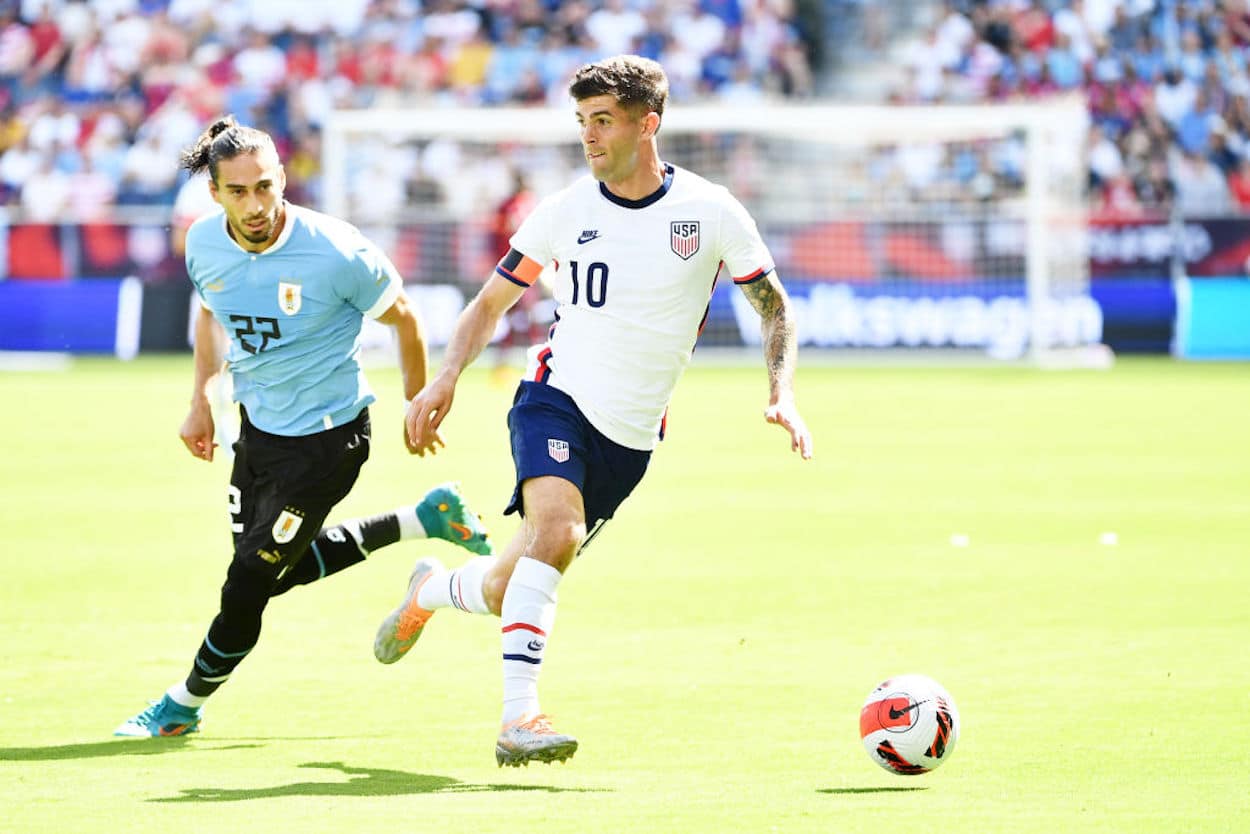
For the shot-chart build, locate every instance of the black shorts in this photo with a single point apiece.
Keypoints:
(551, 436)
(282, 489)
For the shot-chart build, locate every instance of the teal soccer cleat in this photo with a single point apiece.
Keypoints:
(444, 515)
(163, 718)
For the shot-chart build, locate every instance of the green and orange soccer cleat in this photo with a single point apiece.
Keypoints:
(444, 515)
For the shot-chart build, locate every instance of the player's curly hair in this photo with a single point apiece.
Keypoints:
(223, 139)
(638, 84)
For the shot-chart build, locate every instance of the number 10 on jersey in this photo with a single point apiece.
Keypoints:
(596, 283)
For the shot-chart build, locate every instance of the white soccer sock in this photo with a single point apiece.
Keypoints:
(528, 613)
(460, 588)
(179, 694)
(410, 527)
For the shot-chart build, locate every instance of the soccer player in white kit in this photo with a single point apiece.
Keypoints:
(636, 247)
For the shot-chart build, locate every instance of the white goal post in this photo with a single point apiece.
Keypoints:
(955, 227)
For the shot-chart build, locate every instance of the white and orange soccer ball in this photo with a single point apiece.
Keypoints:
(909, 724)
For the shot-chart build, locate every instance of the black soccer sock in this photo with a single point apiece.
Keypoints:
(234, 630)
(377, 531)
(340, 547)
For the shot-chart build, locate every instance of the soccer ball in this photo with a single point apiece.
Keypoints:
(909, 724)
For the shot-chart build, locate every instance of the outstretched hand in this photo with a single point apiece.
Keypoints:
(425, 414)
(786, 414)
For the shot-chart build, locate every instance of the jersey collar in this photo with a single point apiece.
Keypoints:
(645, 201)
(283, 236)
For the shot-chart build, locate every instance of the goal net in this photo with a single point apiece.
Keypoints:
(956, 227)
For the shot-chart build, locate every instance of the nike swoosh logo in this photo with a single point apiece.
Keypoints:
(463, 532)
(174, 730)
(535, 645)
(899, 713)
(587, 237)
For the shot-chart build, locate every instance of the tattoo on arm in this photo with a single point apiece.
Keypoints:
(780, 338)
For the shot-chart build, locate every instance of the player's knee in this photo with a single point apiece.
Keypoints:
(556, 541)
(245, 594)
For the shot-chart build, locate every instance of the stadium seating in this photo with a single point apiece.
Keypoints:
(1166, 83)
(98, 97)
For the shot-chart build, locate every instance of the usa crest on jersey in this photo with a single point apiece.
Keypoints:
(685, 238)
(289, 297)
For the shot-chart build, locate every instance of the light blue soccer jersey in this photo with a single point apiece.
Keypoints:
(293, 314)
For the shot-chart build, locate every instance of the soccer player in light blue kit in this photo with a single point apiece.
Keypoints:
(291, 288)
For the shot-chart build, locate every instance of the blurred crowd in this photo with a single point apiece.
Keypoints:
(1165, 81)
(97, 97)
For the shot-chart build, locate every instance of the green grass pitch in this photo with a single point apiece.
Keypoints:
(712, 648)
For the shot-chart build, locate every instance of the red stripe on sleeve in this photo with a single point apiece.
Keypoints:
(754, 276)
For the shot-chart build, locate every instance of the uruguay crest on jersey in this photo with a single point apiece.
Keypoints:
(289, 297)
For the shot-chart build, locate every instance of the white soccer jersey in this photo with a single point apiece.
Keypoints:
(633, 281)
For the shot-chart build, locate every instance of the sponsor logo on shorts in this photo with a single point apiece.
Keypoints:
(558, 449)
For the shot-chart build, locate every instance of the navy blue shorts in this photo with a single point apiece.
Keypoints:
(551, 436)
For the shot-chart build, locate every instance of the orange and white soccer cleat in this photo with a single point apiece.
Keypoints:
(402, 628)
(532, 739)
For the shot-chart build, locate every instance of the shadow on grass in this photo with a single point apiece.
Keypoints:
(365, 781)
(106, 749)
(899, 789)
